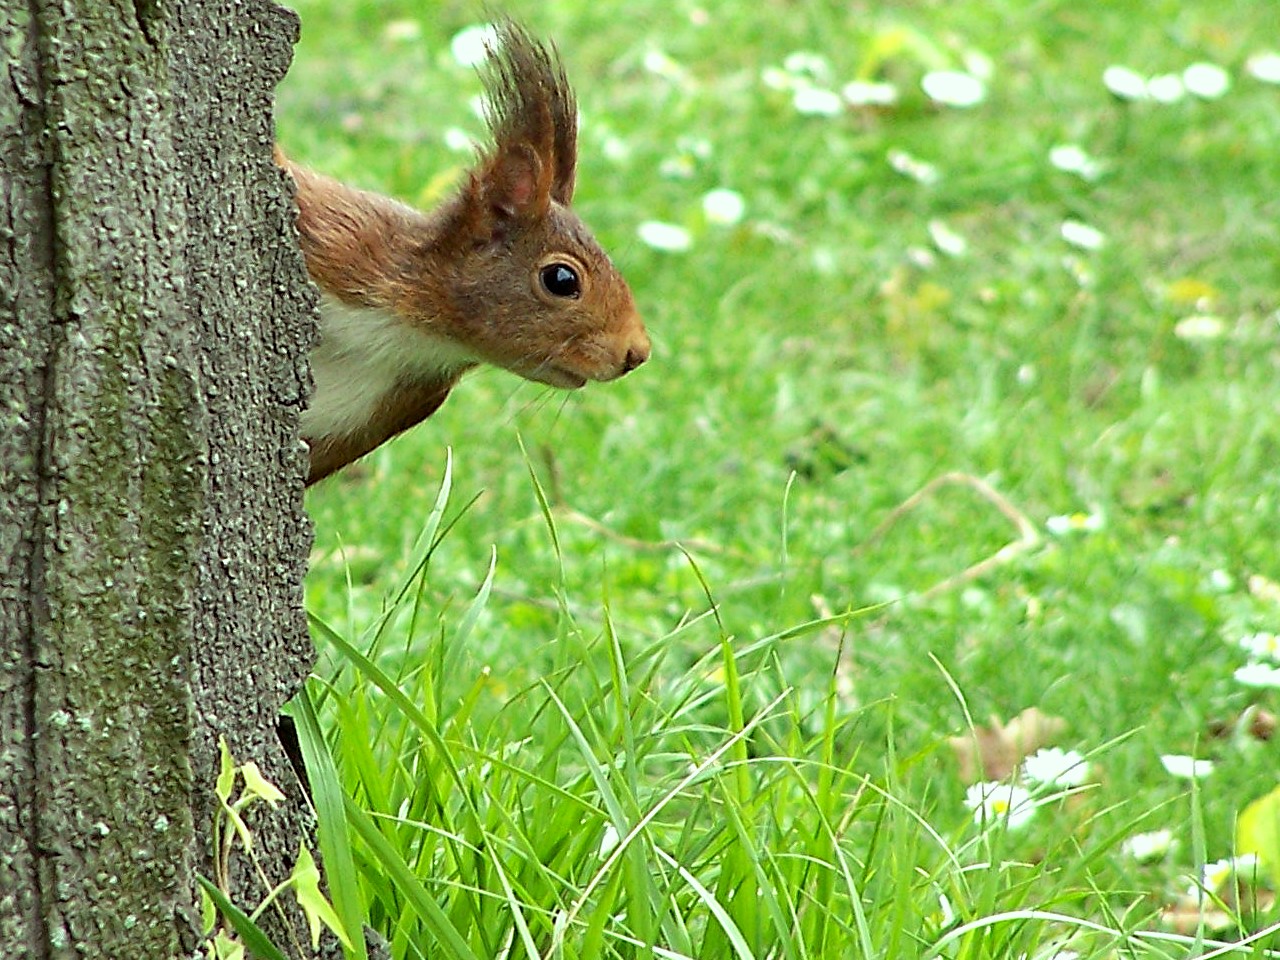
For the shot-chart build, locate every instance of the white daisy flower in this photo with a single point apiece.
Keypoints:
(661, 64)
(997, 801)
(1068, 523)
(1208, 81)
(1072, 158)
(817, 102)
(680, 166)
(470, 46)
(1213, 876)
(1080, 234)
(458, 140)
(1184, 767)
(775, 78)
(402, 31)
(1199, 326)
(1264, 66)
(615, 149)
(953, 88)
(979, 64)
(947, 240)
(1056, 768)
(1125, 83)
(1260, 675)
(869, 93)
(724, 207)
(664, 236)
(1166, 88)
(922, 171)
(1147, 847)
(1263, 646)
(1221, 581)
(805, 63)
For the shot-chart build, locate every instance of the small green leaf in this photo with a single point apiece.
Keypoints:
(257, 785)
(1258, 832)
(208, 913)
(224, 948)
(306, 887)
(226, 781)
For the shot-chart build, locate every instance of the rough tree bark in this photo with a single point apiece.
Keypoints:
(154, 320)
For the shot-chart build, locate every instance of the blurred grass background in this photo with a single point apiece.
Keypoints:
(823, 359)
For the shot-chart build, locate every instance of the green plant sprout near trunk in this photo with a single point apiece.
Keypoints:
(232, 837)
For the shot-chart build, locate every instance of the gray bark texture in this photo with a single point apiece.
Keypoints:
(154, 322)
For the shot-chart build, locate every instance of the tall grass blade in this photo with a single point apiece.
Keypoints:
(331, 824)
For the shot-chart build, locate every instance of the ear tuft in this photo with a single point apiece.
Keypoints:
(530, 101)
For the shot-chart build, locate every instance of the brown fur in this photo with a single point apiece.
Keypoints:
(408, 407)
(468, 272)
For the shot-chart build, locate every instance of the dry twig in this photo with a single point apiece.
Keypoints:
(1028, 535)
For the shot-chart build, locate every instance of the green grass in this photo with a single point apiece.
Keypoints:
(782, 782)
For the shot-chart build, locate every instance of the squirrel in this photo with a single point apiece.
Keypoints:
(503, 272)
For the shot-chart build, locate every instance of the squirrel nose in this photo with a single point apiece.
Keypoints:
(637, 353)
(635, 357)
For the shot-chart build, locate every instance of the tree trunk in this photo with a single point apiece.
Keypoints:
(154, 322)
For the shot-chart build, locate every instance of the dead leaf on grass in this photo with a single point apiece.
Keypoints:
(1184, 915)
(993, 752)
(1254, 722)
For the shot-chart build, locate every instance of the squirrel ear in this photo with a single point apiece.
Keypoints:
(517, 185)
(530, 103)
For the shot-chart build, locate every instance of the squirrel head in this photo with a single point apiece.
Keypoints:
(527, 285)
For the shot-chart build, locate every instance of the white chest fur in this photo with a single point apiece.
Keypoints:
(363, 354)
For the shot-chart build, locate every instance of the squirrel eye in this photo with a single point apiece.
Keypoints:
(561, 280)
